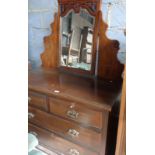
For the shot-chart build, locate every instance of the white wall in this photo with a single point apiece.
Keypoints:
(41, 16)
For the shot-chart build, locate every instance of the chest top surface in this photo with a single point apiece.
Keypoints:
(90, 91)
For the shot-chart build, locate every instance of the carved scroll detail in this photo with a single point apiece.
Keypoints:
(50, 56)
(91, 6)
(108, 65)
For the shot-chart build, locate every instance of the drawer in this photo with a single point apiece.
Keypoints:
(37, 100)
(76, 112)
(67, 129)
(58, 144)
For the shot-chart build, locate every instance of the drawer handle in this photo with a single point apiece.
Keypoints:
(29, 99)
(73, 133)
(72, 114)
(34, 133)
(73, 152)
(30, 115)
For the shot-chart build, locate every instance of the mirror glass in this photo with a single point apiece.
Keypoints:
(77, 40)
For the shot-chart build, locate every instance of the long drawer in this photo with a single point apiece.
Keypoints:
(67, 129)
(37, 100)
(58, 144)
(76, 112)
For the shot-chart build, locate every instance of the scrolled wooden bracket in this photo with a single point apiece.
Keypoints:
(109, 68)
(50, 56)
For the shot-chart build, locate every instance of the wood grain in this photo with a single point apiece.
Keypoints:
(90, 92)
(121, 135)
(109, 67)
(85, 116)
(91, 98)
(86, 137)
(38, 100)
(50, 56)
(94, 98)
(54, 142)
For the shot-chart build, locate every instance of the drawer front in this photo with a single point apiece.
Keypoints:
(76, 112)
(55, 143)
(37, 100)
(65, 128)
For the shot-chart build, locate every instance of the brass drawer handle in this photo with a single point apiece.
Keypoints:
(73, 152)
(72, 114)
(29, 99)
(30, 115)
(33, 133)
(73, 133)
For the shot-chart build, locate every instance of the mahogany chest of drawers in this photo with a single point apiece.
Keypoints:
(71, 115)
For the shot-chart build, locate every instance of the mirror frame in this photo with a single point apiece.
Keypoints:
(106, 65)
(92, 6)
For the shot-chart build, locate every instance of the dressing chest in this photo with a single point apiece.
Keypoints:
(70, 113)
(72, 97)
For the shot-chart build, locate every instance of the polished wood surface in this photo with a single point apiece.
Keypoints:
(109, 68)
(92, 92)
(72, 109)
(61, 92)
(77, 112)
(50, 56)
(121, 135)
(93, 99)
(37, 100)
(64, 128)
(108, 65)
(56, 143)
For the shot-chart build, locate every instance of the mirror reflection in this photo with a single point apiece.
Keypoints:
(77, 40)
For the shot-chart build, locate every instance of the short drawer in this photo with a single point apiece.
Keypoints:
(76, 112)
(58, 144)
(67, 129)
(37, 100)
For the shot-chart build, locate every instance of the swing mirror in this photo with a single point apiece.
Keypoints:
(76, 31)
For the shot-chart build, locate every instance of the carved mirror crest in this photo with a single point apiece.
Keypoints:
(91, 5)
